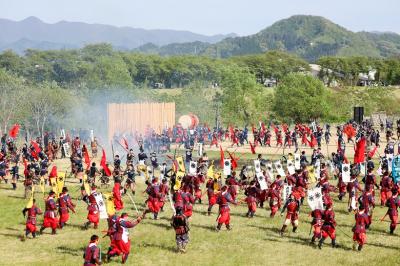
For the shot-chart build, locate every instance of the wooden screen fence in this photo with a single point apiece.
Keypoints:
(127, 118)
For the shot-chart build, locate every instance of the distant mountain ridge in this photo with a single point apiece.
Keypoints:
(34, 33)
(310, 37)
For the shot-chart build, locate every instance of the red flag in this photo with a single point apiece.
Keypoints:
(14, 131)
(313, 141)
(222, 157)
(371, 153)
(252, 148)
(53, 172)
(86, 156)
(36, 147)
(234, 163)
(359, 154)
(349, 131)
(103, 164)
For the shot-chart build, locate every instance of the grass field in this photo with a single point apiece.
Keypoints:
(251, 242)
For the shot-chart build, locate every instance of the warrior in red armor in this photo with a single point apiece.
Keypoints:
(64, 205)
(92, 252)
(50, 215)
(30, 226)
(223, 200)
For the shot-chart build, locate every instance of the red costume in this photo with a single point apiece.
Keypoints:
(386, 187)
(93, 211)
(50, 216)
(274, 200)
(316, 224)
(328, 227)
(370, 181)
(212, 198)
(359, 230)
(292, 216)
(122, 243)
(198, 180)
(30, 226)
(223, 200)
(163, 193)
(118, 203)
(368, 202)
(393, 203)
(92, 255)
(233, 186)
(341, 187)
(153, 201)
(251, 193)
(64, 205)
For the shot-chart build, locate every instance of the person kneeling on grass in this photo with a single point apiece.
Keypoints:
(181, 226)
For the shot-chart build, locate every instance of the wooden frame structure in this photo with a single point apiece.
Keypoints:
(126, 118)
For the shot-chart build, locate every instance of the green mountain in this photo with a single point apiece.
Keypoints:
(309, 37)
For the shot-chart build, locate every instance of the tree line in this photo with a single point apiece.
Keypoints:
(48, 90)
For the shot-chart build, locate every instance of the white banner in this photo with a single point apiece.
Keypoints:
(270, 171)
(257, 166)
(227, 167)
(199, 149)
(389, 158)
(279, 169)
(261, 180)
(287, 190)
(102, 206)
(346, 172)
(193, 168)
(314, 198)
(66, 149)
(290, 167)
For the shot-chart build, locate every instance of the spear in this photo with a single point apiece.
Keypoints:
(134, 204)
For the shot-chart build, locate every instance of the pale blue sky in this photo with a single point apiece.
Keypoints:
(208, 16)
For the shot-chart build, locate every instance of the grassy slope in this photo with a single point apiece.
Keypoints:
(250, 242)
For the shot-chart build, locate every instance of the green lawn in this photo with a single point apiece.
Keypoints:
(251, 242)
